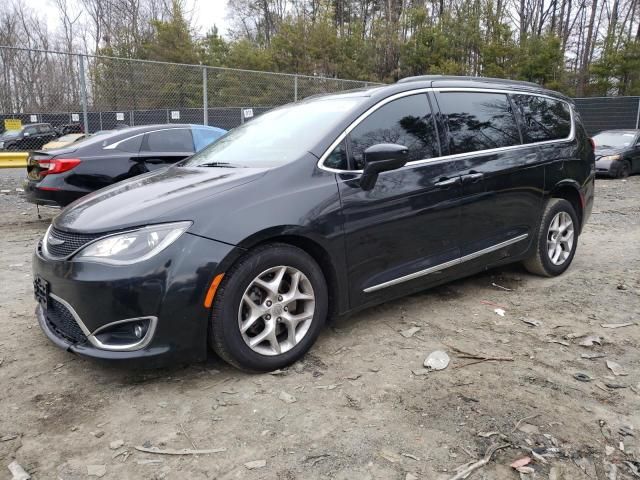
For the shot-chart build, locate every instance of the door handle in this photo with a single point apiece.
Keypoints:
(472, 177)
(445, 182)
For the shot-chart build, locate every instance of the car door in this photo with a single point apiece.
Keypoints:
(635, 156)
(45, 135)
(503, 181)
(161, 148)
(29, 139)
(402, 234)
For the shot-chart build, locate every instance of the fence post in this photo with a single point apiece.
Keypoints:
(83, 94)
(205, 102)
(638, 115)
(295, 88)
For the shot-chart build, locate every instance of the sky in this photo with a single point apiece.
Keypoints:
(205, 13)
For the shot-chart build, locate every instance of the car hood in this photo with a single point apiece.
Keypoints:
(161, 196)
(602, 152)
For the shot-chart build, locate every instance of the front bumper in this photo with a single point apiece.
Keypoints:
(608, 168)
(169, 288)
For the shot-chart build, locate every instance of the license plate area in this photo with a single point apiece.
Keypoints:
(41, 291)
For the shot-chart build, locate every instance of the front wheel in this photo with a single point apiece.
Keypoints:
(557, 240)
(625, 169)
(269, 308)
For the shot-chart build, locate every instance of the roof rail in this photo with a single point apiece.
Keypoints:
(423, 78)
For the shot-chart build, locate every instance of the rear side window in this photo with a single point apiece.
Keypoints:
(406, 121)
(132, 144)
(170, 140)
(44, 128)
(543, 118)
(478, 121)
(203, 137)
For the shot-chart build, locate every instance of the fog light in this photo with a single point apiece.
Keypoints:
(125, 334)
(138, 331)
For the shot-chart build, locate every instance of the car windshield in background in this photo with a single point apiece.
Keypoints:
(10, 134)
(276, 137)
(69, 138)
(613, 139)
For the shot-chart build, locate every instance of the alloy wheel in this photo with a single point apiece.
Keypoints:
(560, 238)
(276, 310)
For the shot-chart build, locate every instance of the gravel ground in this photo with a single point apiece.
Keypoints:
(352, 408)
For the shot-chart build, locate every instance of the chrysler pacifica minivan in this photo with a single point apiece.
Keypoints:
(315, 210)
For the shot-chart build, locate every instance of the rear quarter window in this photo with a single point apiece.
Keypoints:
(170, 140)
(543, 118)
(478, 121)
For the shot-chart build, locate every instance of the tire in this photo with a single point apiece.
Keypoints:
(625, 169)
(542, 262)
(232, 308)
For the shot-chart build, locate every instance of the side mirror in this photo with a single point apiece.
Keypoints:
(26, 134)
(382, 157)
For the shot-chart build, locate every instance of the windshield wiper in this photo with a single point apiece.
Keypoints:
(217, 164)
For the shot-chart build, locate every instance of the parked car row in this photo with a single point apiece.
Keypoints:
(312, 210)
(30, 137)
(617, 153)
(58, 176)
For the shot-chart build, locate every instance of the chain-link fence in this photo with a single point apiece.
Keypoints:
(608, 113)
(74, 93)
(71, 93)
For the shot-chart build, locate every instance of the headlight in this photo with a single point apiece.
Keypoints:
(611, 158)
(134, 246)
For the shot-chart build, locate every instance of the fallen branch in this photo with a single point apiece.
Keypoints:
(482, 360)
(522, 420)
(480, 463)
(476, 356)
(184, 451)
(184, 432)
(486, 302)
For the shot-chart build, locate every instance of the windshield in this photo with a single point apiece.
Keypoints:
(613, 139)
(276, 137)
(11, 133)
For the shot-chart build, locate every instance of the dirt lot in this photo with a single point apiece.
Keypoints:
(359, 411)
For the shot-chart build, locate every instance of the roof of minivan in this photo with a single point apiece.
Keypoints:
(446, 81)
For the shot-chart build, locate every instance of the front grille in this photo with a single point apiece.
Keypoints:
(62, 244)
(61, 321)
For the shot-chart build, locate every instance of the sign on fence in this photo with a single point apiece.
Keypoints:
(12, 124)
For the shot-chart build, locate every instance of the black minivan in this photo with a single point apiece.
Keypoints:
(314, 210)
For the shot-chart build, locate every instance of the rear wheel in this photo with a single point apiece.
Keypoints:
(625, 169)
(269, 309)
(557, 239)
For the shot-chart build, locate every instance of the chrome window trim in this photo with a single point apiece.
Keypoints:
(381, 103)
(112, 146)
(143, 342)
(442, 266)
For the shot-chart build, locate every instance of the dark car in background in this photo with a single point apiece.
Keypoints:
(69, 128)
(617, 153)
(58, 177)
(314, 210)
(30, 137)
